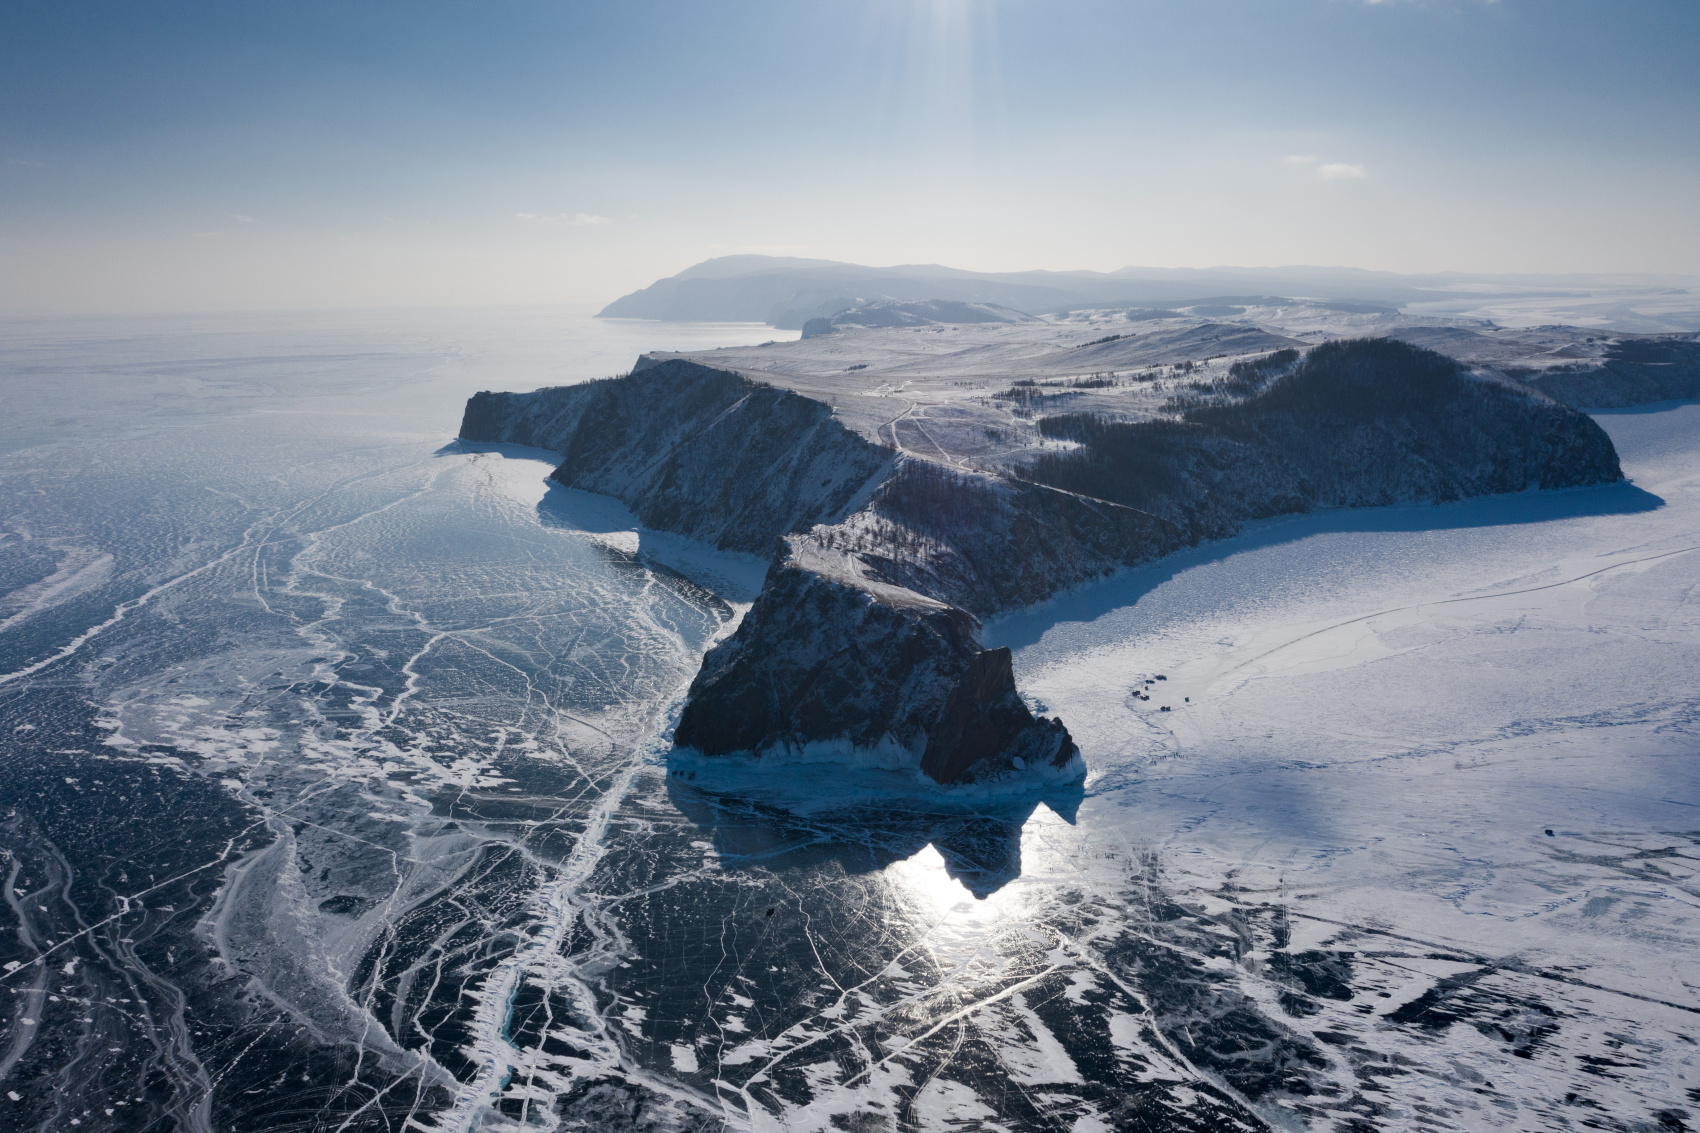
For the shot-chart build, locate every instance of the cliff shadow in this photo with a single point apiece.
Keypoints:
(980, 845)
(1090, 602)
(516, 452)
(562, 507)
(730, 575)
(618, 533)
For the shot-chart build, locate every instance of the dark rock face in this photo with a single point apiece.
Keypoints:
(1355, 424)
(702, 452)
(893, 676)
(853, 658)
(987, 543)
(986, 726)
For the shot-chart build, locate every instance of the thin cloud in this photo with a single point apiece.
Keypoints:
(244, 219)
(577, 219)
(1330, 171)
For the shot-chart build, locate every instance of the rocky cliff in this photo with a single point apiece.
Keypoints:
(831, 665)
(701, 452)
(840, 658)
(861, 646)
(1348, 424)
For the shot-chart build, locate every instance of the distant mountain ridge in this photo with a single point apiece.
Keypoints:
(786, 292)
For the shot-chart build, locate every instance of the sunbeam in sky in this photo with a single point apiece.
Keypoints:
(211, 155)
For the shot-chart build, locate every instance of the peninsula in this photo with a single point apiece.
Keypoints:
(913, 468)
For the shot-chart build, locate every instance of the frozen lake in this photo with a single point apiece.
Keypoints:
(336, 792)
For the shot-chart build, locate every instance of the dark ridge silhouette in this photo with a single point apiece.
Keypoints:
(1355, 423)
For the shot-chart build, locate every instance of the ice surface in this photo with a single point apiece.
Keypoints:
(361, 816)
(1466, 731)
(384, 689)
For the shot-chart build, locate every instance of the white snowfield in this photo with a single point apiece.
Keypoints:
(1462, 740)
(933, 391)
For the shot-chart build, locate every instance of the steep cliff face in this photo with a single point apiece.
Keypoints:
(987, 543)
(1351, 424)
(862, 648)
(828, 665)
(702, 452)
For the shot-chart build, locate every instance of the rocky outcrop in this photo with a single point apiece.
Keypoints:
(1350, 424)
(839, 657)
(831, 666)
(988, 543)
(702, 452)
(861, 646)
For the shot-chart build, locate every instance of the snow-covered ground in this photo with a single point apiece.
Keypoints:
(1461, 740)
(1640, 310)
(969, 395)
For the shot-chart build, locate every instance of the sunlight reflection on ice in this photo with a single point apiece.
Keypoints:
(955, 922)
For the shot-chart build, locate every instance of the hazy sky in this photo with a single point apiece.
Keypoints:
(296, 153)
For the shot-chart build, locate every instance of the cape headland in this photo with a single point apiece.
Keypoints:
(909, 481)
